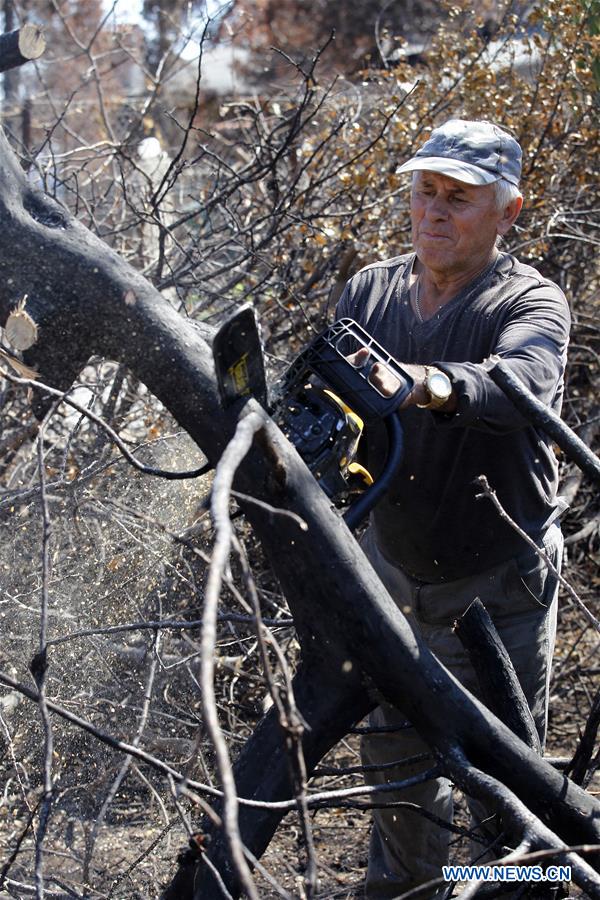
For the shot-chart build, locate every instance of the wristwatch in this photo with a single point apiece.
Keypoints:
(438, 386)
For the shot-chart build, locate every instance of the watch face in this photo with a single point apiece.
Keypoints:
(439, 385)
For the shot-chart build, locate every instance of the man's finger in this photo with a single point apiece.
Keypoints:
(359, 358)
(384, 380)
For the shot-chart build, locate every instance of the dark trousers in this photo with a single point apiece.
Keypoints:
(406, 849)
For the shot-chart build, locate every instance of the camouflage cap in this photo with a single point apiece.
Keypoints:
(472, 152)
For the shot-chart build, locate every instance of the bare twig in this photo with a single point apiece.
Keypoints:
(122, 773)
(39, 666)
(64, 398)
(221, 492)
(491, 495)
(318, 798)
(290, 720)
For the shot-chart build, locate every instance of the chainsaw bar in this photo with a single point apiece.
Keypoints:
(238, 357)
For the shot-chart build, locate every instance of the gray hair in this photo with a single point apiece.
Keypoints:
(505, 193)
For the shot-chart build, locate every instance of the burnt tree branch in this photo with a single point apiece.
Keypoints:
(495, 672)
(579, 767)
(540, 415)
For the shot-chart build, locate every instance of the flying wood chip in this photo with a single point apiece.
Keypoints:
(20, 330)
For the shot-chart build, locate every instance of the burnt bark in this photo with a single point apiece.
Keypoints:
(545, 418)
(579, 767)
(86, 300)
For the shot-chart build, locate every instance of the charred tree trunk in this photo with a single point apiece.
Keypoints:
(85, 300)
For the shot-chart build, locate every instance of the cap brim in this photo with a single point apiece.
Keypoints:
(460, 171)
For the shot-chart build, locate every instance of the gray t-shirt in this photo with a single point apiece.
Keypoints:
(430, 523)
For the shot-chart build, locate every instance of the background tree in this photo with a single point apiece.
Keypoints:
(169, 21)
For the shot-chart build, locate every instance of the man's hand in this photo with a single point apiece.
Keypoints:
(387, 383)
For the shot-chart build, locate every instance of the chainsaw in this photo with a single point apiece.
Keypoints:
(322, 404)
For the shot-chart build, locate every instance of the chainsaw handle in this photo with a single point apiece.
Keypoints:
(371, 497)
(328, 356)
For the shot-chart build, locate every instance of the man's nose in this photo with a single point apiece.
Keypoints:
(437, 208)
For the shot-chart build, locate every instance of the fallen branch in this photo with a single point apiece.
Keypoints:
(519, 820)
(497, 678)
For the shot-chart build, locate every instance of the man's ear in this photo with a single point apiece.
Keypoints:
(510, 215)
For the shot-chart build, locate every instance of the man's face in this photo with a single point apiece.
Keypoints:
(454, 225)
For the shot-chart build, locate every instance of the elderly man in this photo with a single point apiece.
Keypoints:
(444, 312)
